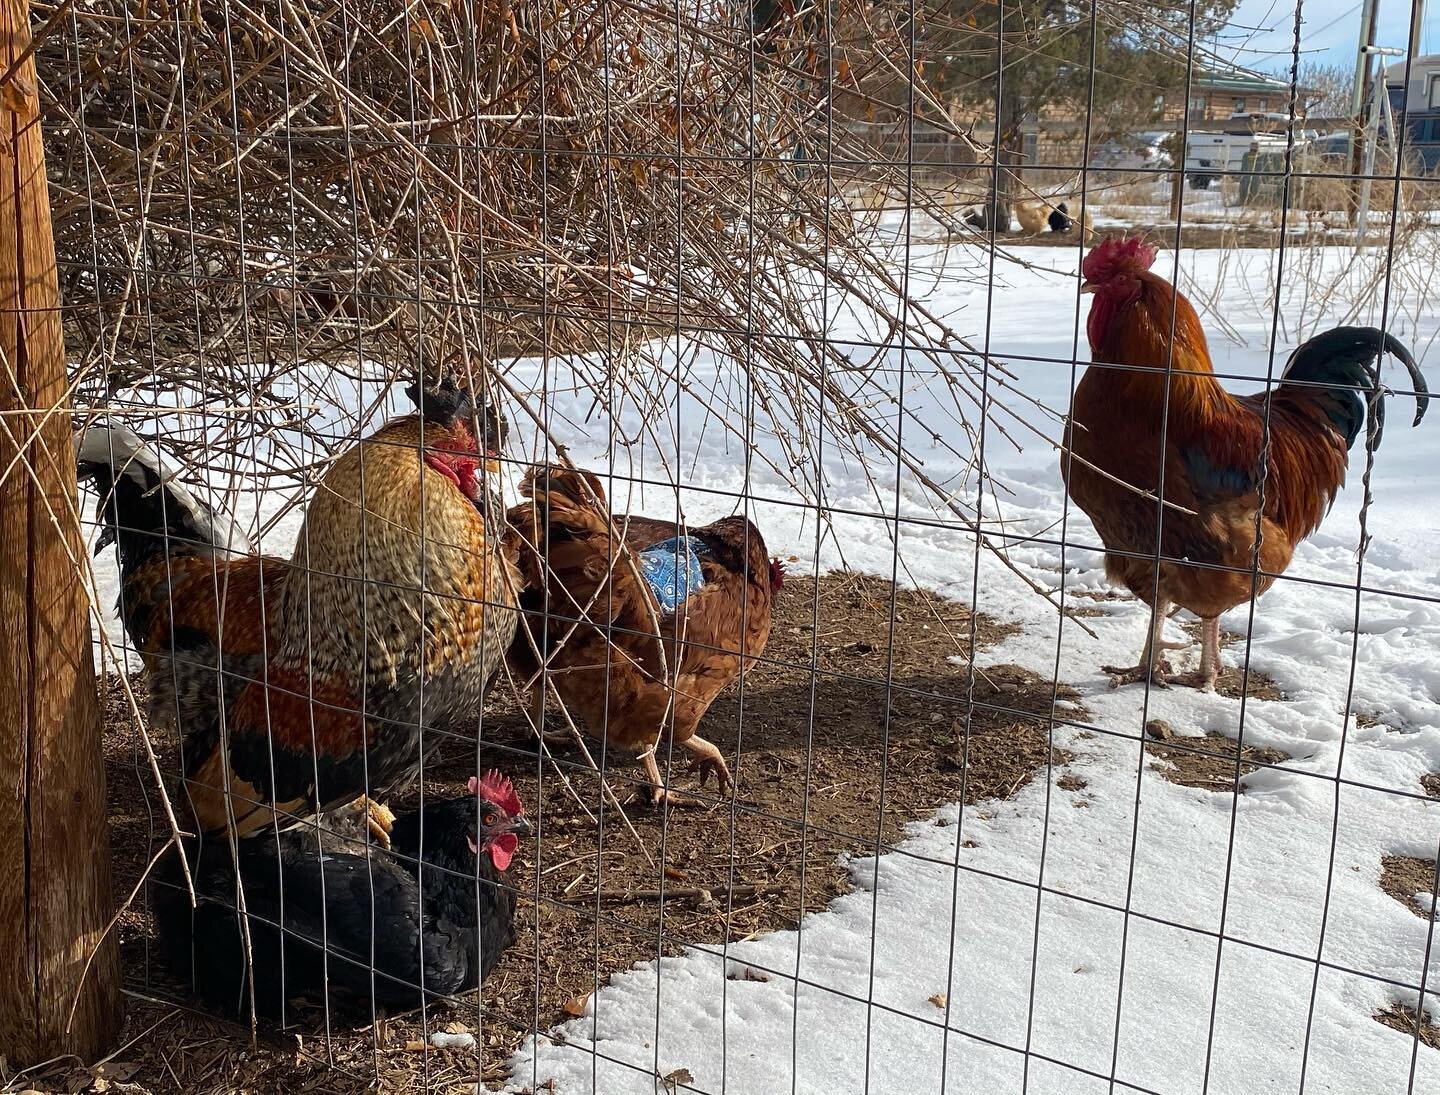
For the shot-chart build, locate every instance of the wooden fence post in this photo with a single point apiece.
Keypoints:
(55, 897)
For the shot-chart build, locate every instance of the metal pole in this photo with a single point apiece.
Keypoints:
(1362, 212)
(1368, 16)
(1379, 104)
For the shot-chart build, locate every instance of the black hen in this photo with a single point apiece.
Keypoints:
(380, 933)
(1060, 219)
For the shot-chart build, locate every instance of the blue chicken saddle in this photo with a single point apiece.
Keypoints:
(673, 569)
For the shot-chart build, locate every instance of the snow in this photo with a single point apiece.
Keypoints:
(974, 904)
(1164, 935)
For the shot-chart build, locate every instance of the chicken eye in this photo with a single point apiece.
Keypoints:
(489, 818)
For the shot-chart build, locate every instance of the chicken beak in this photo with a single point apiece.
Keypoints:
(1088, 287)
(520, 827)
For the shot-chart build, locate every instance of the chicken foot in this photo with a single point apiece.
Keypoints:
(708, 758)
(376, 817)
(1209, 671)
(1153, 664)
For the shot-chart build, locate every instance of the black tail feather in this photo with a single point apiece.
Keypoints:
(143, 509)
(1341, 364)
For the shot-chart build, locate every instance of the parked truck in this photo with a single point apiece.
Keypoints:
(1210, 155)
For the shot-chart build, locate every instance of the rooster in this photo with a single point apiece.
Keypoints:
(640, 627)
(298, 685)
(369, 928)
(1272, 461)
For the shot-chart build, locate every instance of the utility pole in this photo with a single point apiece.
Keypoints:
(1360, 95)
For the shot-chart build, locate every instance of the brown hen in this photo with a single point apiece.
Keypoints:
(639, 674)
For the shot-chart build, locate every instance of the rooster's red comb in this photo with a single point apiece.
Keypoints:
(1127, 256)
(497, 789)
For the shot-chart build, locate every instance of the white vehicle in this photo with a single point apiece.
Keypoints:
(1209, 155)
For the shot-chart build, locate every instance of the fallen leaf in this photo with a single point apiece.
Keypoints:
(575, 1006)
(415, 1046)
(117, 1072)
(940, 1000)
(672, 1080)
(746, 973)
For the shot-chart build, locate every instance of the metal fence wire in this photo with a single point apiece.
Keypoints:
(816, 292)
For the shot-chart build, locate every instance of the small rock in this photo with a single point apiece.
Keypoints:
(1159, 728)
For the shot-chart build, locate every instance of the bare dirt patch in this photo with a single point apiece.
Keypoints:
(1404, 876)
(1206, 762)
(842, 737)
(1401, 1017)
(1430, 784)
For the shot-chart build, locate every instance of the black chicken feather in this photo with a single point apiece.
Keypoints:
(382, 931)
(1343, 361)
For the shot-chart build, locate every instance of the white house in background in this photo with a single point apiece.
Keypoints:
(1419, 104)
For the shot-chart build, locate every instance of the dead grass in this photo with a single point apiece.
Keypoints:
(1404, 876)
(810, 763)
(1401, 1017)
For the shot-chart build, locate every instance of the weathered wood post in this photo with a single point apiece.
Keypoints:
(55, 897)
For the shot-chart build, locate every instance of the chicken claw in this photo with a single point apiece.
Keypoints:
(378, 819)
(709, 759)
(1159, 673)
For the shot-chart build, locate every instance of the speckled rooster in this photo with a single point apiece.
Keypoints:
(299, 685)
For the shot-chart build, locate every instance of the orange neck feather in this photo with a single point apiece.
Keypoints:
(1139, 335)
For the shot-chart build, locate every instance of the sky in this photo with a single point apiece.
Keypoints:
(1261, 35)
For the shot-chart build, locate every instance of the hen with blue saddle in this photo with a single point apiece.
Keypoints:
(634, 676)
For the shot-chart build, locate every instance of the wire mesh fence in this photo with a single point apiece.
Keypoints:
(771, 750)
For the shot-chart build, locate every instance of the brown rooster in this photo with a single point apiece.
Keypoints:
(640, 627)
(298, 685)
(1226, 473)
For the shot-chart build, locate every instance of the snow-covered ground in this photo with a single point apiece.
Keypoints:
(1163, 935)
(1013, 916)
